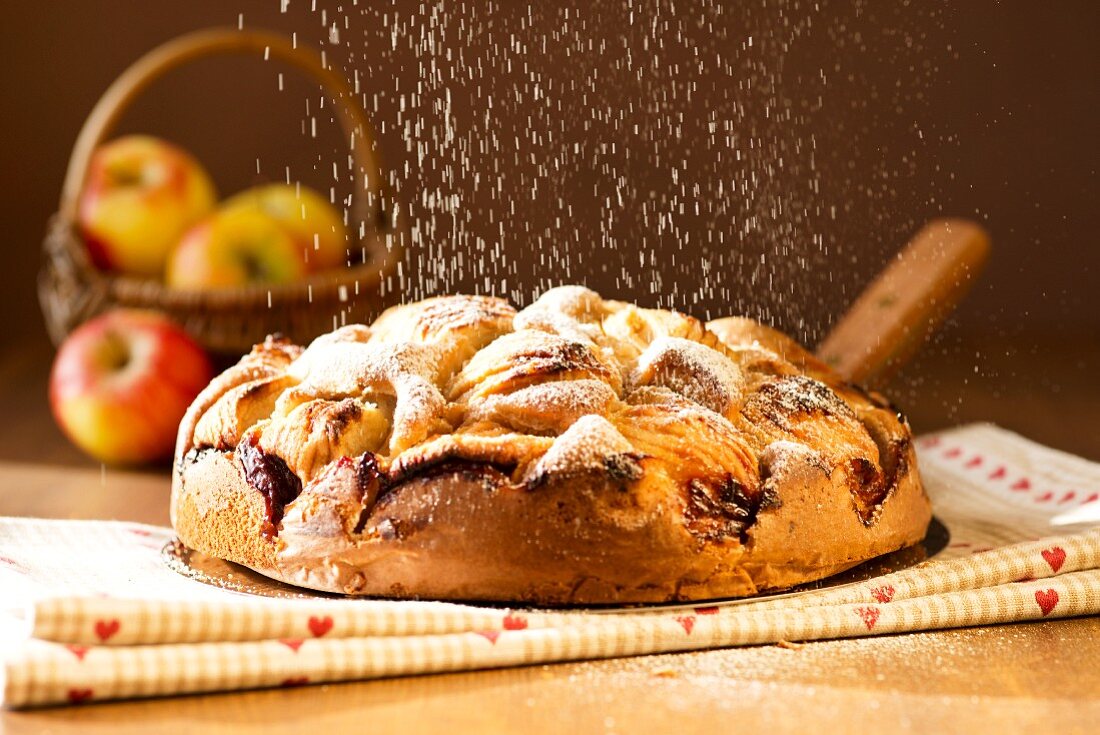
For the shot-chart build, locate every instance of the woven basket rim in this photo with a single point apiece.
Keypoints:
(383, 253)
(72, 289)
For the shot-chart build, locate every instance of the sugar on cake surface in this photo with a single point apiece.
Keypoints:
(579, 450)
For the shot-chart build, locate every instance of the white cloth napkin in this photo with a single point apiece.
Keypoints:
(94, 613)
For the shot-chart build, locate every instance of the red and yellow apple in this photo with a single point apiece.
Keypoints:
(316, 225)
(140, 196)
(121, 383)
(235, 248)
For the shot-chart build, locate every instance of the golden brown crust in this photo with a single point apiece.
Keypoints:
(580, 451)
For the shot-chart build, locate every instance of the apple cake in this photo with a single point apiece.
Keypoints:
(578, 451)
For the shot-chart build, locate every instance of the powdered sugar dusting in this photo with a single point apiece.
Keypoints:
(463, 371)
(531, 356)
(404, 370)
(552, 322)
(591, 443)
(782, 457)
(575, 302)
(696, 371)
(546, 407)
(801, 394)
(439, 319)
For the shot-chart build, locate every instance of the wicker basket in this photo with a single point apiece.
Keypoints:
(226, 321)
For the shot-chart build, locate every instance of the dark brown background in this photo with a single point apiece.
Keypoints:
(979, 109)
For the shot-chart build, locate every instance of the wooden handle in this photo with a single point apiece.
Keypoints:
(905, 304)
(368, 202)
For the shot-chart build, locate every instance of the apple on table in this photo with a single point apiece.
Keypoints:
(141, 194)
(121, 383)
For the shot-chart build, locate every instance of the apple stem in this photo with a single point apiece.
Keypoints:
(123, 177)
(253, 267)
(115, 351)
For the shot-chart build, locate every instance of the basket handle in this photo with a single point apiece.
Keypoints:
(370, 188)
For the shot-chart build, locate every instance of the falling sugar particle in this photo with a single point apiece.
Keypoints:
(697, 159)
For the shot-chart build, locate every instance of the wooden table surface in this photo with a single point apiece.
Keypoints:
(1033, 677)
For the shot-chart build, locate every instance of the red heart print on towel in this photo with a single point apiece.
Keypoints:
(79, 651)
(79, 696)
(869, 615)
(1055, 557)
(687, 622)
(105, 629)
(319, 626)
(12, 564)
(998, 474)
(952, 453)
(489, 635)
(975, 461)
(1021, 485)
(514, 622)
(296, 681)
(885, 593)
(1047, 600)
(710, 610)
(292, 643)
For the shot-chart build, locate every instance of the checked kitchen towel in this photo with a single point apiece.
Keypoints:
(94, 613)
